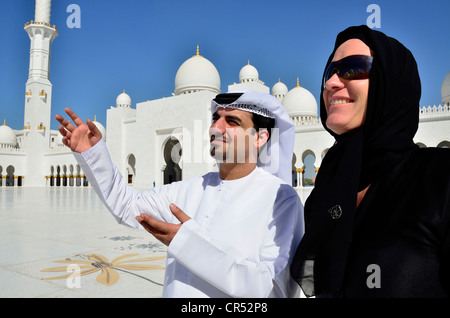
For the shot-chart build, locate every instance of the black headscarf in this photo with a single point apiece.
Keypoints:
(357, 159)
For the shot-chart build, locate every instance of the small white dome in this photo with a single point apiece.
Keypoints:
(445, 89)
(7, 136)
(197, 73)
(279, 89)
(101, 128)
(123, 100)
(248, 74)
(300, 102)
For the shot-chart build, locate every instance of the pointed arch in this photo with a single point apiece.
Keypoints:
(58, 176)
(71, 177)
(10, 176)
(309, 169)
(77, 175)
(444, 144)
(172, 152)
(64, 176)
(131, 168)
(295, 177)
(52, 176)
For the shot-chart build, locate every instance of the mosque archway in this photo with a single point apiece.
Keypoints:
(1, 176)
(131, 168)
(52, 176)
(421, 145)
(172, 155)
(295, 177)
(71, 181)
(64, 176)
(309, 170)
(58, 176)
(444, 144)
(78, 176)
(10, 176)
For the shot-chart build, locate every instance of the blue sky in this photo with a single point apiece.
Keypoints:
(138, 45)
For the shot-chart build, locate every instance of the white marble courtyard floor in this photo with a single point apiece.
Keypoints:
(66, 227)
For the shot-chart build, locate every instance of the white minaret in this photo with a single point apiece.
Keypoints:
(38, 92)
(38, 87)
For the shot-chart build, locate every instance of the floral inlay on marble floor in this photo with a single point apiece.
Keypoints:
(109, 275)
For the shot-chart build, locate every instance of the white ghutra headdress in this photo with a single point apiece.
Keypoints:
(276, 158)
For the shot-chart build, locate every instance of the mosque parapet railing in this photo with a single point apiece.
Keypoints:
(41, 23)
(10, 149)
(59, 149)
(434, 112)
(306, 123)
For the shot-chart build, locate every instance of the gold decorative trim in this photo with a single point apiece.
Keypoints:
(41, 23)
(198, 52)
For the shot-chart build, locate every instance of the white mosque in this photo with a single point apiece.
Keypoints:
(165, 140)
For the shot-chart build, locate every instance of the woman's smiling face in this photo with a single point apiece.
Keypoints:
(346, 100)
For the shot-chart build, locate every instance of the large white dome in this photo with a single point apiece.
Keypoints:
(123, 100)
(300, 102)
(7, 136)
(197, 73)
(248, 73)
(445, 89)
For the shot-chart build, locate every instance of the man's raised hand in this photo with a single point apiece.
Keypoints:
(79, 137)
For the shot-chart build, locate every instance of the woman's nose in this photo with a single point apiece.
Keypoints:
(334, 82)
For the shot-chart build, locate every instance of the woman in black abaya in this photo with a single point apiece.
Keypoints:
(378, 220)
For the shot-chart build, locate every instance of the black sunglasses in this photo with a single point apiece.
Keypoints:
(350, 68)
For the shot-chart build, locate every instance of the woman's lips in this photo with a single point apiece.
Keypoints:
(340, 101)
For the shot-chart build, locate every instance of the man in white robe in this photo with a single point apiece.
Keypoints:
(229, 233)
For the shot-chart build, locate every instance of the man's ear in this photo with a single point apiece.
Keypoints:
(263, 136)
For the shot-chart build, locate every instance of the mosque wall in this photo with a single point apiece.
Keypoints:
(12, 165)
(185, 118)
(120, 125)
(434, 130)
(316, 142)
(60, 164)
